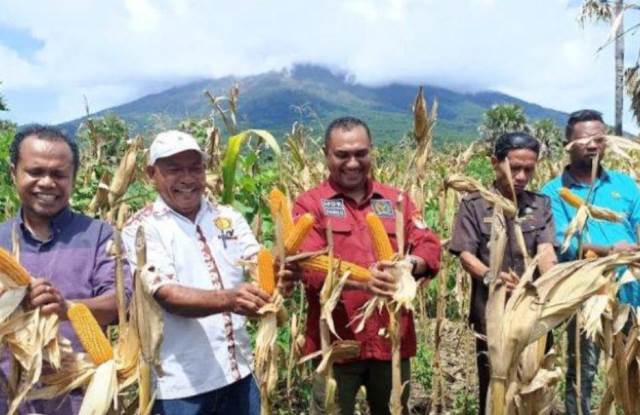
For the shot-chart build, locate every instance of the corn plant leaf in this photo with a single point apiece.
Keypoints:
(230, 159)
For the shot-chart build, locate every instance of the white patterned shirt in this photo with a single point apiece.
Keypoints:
(198, 355)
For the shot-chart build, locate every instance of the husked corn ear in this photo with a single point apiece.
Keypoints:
(279, 207)
(12, 269)
(300, 230)
(571, 198)
(594, 211)
(321, 263)
(266, 274)
(381, 242)
(89, 333)
(590, 255)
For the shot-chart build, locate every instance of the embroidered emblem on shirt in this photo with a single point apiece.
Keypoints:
(333, 207)
(383, 208)
(615, 195)
(226, 231)
(223, 223)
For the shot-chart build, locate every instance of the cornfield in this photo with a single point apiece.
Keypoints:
(244, 169)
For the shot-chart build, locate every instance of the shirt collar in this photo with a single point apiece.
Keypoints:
(160, 208)
(331, 189)
(569, 181)
(57, 223)
(526, 201)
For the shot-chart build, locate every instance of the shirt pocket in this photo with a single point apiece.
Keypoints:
(344, 242)
(531, 230)
(340, 226)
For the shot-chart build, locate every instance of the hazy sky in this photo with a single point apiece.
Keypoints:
(54, 53)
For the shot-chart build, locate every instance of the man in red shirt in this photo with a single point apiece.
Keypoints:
(343, 201)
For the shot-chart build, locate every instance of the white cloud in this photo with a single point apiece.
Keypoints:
(111, 51)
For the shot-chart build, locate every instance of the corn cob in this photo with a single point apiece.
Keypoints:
(279, 206)
(590, 255)
(89, 333)
(594, 211)
(381, 242)
(266, 275)
(299, 232)
(321, 263)
(571, 198)
(12, 269)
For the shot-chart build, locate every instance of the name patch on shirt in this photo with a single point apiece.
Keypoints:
(383, 208)
(333, 207)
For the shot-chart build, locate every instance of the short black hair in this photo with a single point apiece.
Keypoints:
(514, 141)
(43, 132)
(580, 116)
(345, 123)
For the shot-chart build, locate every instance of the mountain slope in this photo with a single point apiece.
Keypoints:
(315, 95)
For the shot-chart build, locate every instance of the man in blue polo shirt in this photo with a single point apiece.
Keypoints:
(613, 190)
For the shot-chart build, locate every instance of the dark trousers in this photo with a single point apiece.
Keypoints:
(374, 375)
(589, 355)
(239, 398)
(484, 374)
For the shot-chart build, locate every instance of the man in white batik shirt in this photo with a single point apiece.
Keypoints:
(194, 246)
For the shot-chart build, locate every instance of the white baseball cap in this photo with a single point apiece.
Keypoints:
(172, 142)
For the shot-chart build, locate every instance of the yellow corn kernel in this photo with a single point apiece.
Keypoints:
(266, 274)
(321, 263)
(590, 254)
(381, 242)
(89, 333)
(570, 198)
(279, 207)
(299, 233)
(594, 211)
(12, 269)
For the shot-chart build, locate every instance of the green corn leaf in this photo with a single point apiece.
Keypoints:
(230, 159)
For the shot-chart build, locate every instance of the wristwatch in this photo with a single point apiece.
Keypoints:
(486, 278)
(414, 264)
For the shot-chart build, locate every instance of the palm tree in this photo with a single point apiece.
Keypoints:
(602, 10)
(501, 119)
(619, 57)
(3, 106)
(549, 136)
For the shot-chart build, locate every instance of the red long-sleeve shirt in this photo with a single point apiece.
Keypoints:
(352, 242)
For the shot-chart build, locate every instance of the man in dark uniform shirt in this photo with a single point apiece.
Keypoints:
(472, 229)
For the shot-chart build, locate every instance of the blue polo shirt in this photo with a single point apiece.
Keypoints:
(613, 190)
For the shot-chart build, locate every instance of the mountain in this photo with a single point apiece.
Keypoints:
(315, 95)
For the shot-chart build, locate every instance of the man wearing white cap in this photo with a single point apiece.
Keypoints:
(194, 246)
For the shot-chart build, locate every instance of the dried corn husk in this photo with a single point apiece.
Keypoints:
(535, 308)
(102, 390)
(461, 183)
(266, 361)
(149, 322)
(101, 197)
(76, 371)
(31, 339)
(621, 145)
(125, 173)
